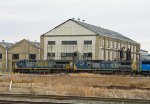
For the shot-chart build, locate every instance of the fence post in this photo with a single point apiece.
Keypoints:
(31, 86)
(10, 85)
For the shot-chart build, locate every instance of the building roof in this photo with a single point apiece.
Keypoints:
(35, 43)
(143, 50)
(100, 31)
(6, 45)
(104, 32)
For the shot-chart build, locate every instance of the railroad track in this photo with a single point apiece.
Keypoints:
(78, 77)
(27, 102)
(66, 98)
(67, 75)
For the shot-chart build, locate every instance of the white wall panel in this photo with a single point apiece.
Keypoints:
(80, 47)
(70, 28)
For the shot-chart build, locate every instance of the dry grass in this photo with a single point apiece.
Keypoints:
(77, 84)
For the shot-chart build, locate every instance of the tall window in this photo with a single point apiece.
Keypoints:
(88, 42)
(0, 56)
(118, 46)
(15, 56)
(107, 43)
(111, 44)
(115, 45)
(69, 42)
(103, 42)
(32, 56)
(51, 54)
(51, 42)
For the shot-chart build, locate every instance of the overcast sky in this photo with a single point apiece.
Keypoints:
(29, 19)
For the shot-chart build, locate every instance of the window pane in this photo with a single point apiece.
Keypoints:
(88, 42)
(51, 54)
(67, 54)
(15, 56)
(32, 56)
(51, 42)
(69, 42)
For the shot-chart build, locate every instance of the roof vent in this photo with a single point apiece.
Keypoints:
(83, 20)
(78, 19)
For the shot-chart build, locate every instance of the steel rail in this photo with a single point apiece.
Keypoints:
(27, 102)
(86, 77)
(59, 97)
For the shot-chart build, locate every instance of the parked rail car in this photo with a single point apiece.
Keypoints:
(145, 67)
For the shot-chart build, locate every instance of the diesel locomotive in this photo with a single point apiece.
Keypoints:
(75, 65)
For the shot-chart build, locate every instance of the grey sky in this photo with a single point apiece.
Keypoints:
(31, 18)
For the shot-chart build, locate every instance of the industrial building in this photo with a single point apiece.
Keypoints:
(4, 46)
(23, 49)
(89, 41)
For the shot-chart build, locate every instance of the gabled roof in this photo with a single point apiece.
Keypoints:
(99, 31)
(6, 45)
(35, 44)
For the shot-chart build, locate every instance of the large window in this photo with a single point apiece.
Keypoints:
(88, 42)
(69, 42)
(32, 56)
(67, 54)
(15, 56)
(0, 56)
(51, 42)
